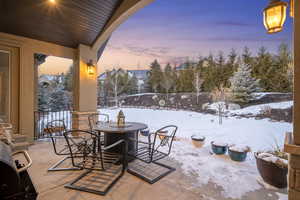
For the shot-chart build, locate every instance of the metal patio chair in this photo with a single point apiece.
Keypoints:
(103, 169)
(54, 130)
(157, 147)
(97, 118)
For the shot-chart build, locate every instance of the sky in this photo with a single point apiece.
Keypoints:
(174, 30)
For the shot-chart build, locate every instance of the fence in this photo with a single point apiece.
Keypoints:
(42, 118)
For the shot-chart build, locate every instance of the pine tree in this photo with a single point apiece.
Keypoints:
(209, 73)
(155, 77)
(59, 100)
(68, 80)
(243, 84)
(167, 81)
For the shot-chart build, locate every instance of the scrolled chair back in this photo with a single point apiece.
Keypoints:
(95, 119)
(163, 139)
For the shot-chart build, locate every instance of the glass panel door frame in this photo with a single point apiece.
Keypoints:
(9, 110)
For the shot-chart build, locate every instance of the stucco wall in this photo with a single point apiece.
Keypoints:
(27, 48)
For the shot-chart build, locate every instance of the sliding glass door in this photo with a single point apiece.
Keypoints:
(4, 86)
(9, 85)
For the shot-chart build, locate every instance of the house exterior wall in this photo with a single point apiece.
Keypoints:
(27, 48)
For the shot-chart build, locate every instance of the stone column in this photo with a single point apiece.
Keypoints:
(85, 87)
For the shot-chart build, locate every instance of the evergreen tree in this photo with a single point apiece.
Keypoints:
(168, 79)
(243, 84)
(43, 97)
(155, 77)
(209, 73)
(68, 80)
(246, 57)
(186, 78)
(263, 69)
(59, 100)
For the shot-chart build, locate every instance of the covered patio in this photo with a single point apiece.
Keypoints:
(176, 185)
(79, 30)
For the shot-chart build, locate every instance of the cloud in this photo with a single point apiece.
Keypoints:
(233, 24)
(156, 52)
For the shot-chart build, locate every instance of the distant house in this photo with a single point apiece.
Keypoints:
(183, 66)
(141, 75)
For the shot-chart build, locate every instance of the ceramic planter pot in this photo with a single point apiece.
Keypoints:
(145, 132)
(198, 141)
(237, 156)
(272, 173)
(217, 149)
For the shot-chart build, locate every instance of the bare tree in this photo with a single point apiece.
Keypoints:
(197, 84)
(220, 96)
(167, 84)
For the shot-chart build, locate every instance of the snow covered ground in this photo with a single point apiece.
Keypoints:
(236, 179)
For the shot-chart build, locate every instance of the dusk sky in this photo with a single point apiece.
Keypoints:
(172, 30)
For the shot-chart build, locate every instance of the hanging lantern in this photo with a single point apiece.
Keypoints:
(292, 3)
(90, 68)
(274, 16)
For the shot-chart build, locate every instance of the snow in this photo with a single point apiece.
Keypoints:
(282, 196)
(235, 179)
(239, 148)
(255, 110)
(219, 143)
(273, 159)
(259, 95)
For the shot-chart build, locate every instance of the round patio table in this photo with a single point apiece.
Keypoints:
(113, 133)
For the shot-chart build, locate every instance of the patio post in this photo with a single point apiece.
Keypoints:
(294, 159)
(85, 87)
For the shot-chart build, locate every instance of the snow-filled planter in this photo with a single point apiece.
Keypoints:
(272, 169)
(219, 147)
(198, 141)
(238, 153)
(162, 134)
(145, 132)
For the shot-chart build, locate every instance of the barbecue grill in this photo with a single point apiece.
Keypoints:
(15, 182)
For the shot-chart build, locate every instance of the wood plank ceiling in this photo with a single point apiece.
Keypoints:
(68, 22)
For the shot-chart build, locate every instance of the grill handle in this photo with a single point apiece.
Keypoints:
(27, 157)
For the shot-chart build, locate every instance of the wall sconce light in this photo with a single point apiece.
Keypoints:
(91, 68)
(275, 16)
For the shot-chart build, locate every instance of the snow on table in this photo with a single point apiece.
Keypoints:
(236, 179)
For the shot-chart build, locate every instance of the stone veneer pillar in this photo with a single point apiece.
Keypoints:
(80, 120)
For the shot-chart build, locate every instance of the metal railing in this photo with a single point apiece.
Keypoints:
(42, 118)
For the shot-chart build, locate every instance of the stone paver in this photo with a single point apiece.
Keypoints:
(176, 186)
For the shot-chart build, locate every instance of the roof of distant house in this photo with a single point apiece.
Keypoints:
(139, 74)
(184, 66)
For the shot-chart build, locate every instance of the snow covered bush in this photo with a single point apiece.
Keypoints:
(243, 84)
(266, 110)
(205, 106)
(162, 102)
(233, 106)
(154, 97)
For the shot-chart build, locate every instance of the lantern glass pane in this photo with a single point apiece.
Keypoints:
(274, 18)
